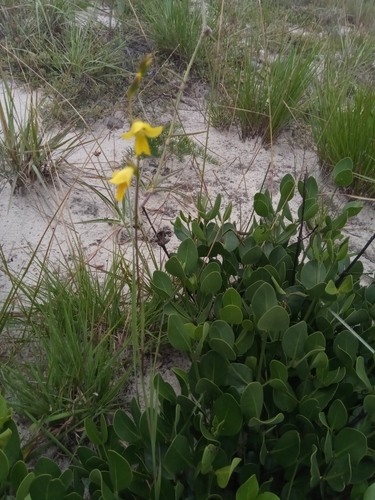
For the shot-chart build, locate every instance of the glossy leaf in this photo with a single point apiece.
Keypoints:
(173, 266)
(267, 495)
(214, 367)
(228, 414)
(278, 370)
(287, 448)
(310, 209)
(120, 471)
(209, 454)
(314, 468)
(223, 475)
(353, 208)
(276, 319)
(249, 489)
(45, 488)
(264, 299)
(164, 389)
(256, 422)
(221, 330)
(47, 466)
(232, 297)
(315, 341)
(312, 274)
(18, 473)
(231, 314)
(261, 205)
(230, 241)
(369, 405)
(294, 339)
(370, 493)
(339, 473)
(337, 415)
(343, 172)
(211, 214)
(125, 427)
(347, 343)
(92, 432)
(187, 254)
(361, 373)
(239, 376)
(179, 455)
(162, 285)
(24, 487)
(252, 400)
(4, 467)
(210, 279)
(206, 386)
(351, 442)
(223, 348)
(178, 334)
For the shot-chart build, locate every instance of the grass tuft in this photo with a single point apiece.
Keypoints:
(343, 125)
(77, 326)
(28, 151)
(67, 47)
(267, 94)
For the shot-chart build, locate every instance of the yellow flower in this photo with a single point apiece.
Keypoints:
(141, 130)
(122, 179)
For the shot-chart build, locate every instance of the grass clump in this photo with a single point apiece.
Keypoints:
(76, 327)
(268, 94)
(168, 26)
(28, 150)
(68, 49)
(342, 126)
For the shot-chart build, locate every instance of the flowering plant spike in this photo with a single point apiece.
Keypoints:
(142, 70)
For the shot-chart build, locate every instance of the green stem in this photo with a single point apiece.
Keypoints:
(262, 353)
(310, 309)
(195, 365)
(136, 223)
(210, 478)
(292, 480)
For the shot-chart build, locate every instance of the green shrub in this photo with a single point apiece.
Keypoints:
(278, 332)
(278, 402)
(46, 480)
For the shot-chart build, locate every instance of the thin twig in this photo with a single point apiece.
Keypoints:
(300, 237)
(160, 243)
(346, 271)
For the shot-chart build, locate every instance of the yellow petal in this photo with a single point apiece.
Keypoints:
(136, 127)
(152, 131)
(127, 135)
(141, 145)
(124, 176)
(121, 189)
(142, 128)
